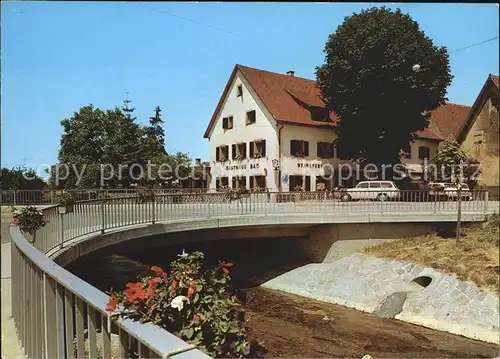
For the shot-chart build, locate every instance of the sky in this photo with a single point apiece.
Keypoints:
(59, 56)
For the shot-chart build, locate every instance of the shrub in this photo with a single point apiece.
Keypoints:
(29, 219)
(192, 302)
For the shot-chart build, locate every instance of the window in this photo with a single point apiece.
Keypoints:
(297, 183)
(375, 185)
(239, 91)
(239, 151)
(362, 185)
(258, 149)
(221, 153)
(227, 123)
(222, 182)
(319, 114)
(325, 150)
(299, 148)
(250, 117)
(258, 183)
(424, 153)
(239, 183)
(478, 137)
(386, 185)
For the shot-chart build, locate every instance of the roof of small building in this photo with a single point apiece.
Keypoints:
(290, 98)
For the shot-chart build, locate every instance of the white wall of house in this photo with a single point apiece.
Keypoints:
(311, 165)
(263, 128)
(414, 159)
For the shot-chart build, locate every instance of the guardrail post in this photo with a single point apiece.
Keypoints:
(61, 228)
(486, 198)
(15, 198)
(103, 225)
(51, 197)
(153, 209)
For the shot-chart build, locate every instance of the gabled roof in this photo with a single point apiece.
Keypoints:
(445, 121)
(491, 82)
(289, 99)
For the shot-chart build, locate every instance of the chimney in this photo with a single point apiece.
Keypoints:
(197, 162)
(290, 73)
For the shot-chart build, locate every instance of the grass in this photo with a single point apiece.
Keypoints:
(474, 258)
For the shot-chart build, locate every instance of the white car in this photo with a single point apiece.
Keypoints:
(449, 191)
(372, 190)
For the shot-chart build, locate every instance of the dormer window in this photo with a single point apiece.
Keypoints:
(319, 114)
(239, 91)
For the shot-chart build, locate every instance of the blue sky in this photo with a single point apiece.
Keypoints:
(57, 57)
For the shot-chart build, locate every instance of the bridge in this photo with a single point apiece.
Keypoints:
(57, 314)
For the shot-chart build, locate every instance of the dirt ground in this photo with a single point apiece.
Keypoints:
(290, 326)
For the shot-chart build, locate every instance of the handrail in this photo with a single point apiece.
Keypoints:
(46, 296)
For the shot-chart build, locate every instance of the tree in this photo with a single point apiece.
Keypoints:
(368, 81)
(157, 132)
(20, 178)
(452, 163)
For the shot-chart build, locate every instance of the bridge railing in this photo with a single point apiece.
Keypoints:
(58, 315)
(104, 214)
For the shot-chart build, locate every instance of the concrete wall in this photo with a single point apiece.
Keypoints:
(328, 242)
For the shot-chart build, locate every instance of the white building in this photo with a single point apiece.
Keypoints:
(272, 131)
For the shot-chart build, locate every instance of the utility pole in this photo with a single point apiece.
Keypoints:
(459, 211)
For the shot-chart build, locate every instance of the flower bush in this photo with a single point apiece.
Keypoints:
(29, 219)
(65, 199)
(192, 302)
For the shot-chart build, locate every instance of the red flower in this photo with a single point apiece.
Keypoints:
(174, 284)
(135, 292)
(158, 271)
(191, 291)
(172, 292)
(112, 303)
(196, 317)
(156, 280)
(15, 222)
(225, 267)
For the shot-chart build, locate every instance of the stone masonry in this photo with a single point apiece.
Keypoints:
(368, 284)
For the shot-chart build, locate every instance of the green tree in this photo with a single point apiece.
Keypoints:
(368, 80)
(20, 178)
(452, 163)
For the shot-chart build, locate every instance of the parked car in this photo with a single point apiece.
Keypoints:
(372, 190)
(449, 191)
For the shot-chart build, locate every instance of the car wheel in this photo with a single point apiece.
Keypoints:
(382, 197)
(346, 197)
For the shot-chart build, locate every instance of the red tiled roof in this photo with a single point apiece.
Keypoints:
(277, 92)
(445, 121)
(281, 94)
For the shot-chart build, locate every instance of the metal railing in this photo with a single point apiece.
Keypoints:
(58, 315)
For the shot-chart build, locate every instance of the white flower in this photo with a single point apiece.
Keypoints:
(183, 254)
(178, 302)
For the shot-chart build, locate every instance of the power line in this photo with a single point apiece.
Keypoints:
(192, 21)
(476, 44)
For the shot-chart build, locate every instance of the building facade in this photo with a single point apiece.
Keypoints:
(272, 131)
(479, 135)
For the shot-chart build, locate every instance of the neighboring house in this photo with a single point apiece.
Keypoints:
(272, 131)
(479, 134)
(445, 122)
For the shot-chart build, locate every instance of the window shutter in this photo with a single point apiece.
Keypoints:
(224, 122)
(233, 148)
(293, 147)
(252, 144)
(306, 148)
(217, 154)
(318, 149)
(263, 148)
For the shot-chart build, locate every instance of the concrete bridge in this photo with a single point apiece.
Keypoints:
(46, 297)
